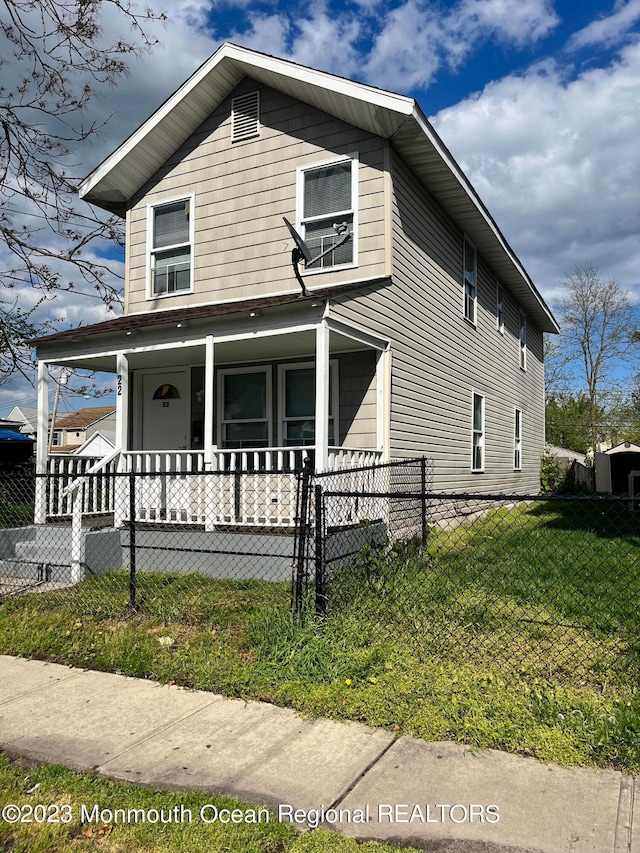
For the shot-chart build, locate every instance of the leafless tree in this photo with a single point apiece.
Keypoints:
(54, 59)
(597, 318)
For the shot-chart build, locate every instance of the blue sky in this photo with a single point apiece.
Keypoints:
(538, 100)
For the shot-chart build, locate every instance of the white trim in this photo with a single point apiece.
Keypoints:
(42, 446)
(482, 444)
(122, 401)
(357, 333)
(267, 369)
(194, 342)
(334, 401)
(209, 392)
(322, 396)
(353, 158)
(151, 250)
(517, 439)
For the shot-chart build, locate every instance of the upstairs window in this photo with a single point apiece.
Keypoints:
(522, 323)
(327, 194)
(470, 292)
(170, 241)
(500, 308)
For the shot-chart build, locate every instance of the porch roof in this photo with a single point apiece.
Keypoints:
(133, 322)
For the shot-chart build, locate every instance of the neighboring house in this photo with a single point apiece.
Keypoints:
(70, 431)
(421, 335)
(27, 417)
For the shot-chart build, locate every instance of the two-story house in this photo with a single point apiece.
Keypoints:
(421, 334)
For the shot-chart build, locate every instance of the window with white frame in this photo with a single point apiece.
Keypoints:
(517, 440)
(328, 195)
(244, 407)
(477, 452)
(470, 293)
(170, 239)
(500, 308)
(522, 324)
(298, 404)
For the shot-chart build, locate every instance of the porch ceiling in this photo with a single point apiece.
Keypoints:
(276, 347)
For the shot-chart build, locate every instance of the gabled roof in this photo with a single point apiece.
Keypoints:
(383, 113)
(623, 447)
(84, 417)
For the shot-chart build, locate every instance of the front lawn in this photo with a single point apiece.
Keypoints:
(497, 636)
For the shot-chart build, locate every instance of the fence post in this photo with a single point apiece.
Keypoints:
(423, 493)
(303, 534)
(321, 595)
(132, 540)
(77, 539)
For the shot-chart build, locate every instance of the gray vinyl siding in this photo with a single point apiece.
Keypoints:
(439, 359)
(357, 378)
(242, 191)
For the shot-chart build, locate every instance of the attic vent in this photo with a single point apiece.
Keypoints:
(245, 117)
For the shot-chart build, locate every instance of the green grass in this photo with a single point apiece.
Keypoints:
(59, 787)
(518, 636)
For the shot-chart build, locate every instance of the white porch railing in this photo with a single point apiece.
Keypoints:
(98, 491)
(254, 486)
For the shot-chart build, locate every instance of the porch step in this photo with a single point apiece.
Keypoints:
(43, 554)
(32, 572)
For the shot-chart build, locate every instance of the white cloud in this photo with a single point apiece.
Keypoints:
(417, 38)
(517, 21)
(610, 30)
(556, 163)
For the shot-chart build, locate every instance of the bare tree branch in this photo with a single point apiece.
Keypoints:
(54, 59)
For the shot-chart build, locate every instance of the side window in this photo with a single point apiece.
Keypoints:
(522, 324)
(517, 440)
(328, 194)
(477, 451)
(500, 308)
(470, 292)
(170, 238)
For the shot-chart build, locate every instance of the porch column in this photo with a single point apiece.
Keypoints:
(42, 447)
(120, 490)
(383, 402)
(211, 482)
(209, 392)
(122, 402)
(322, 396)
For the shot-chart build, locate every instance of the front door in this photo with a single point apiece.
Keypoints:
(164, 410)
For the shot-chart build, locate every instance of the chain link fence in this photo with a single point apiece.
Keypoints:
(547, 586)
(159, 542)
(542, 586)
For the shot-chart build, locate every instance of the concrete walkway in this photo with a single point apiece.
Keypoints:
(436, 796)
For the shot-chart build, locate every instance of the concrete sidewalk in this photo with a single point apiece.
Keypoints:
(435, 796)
